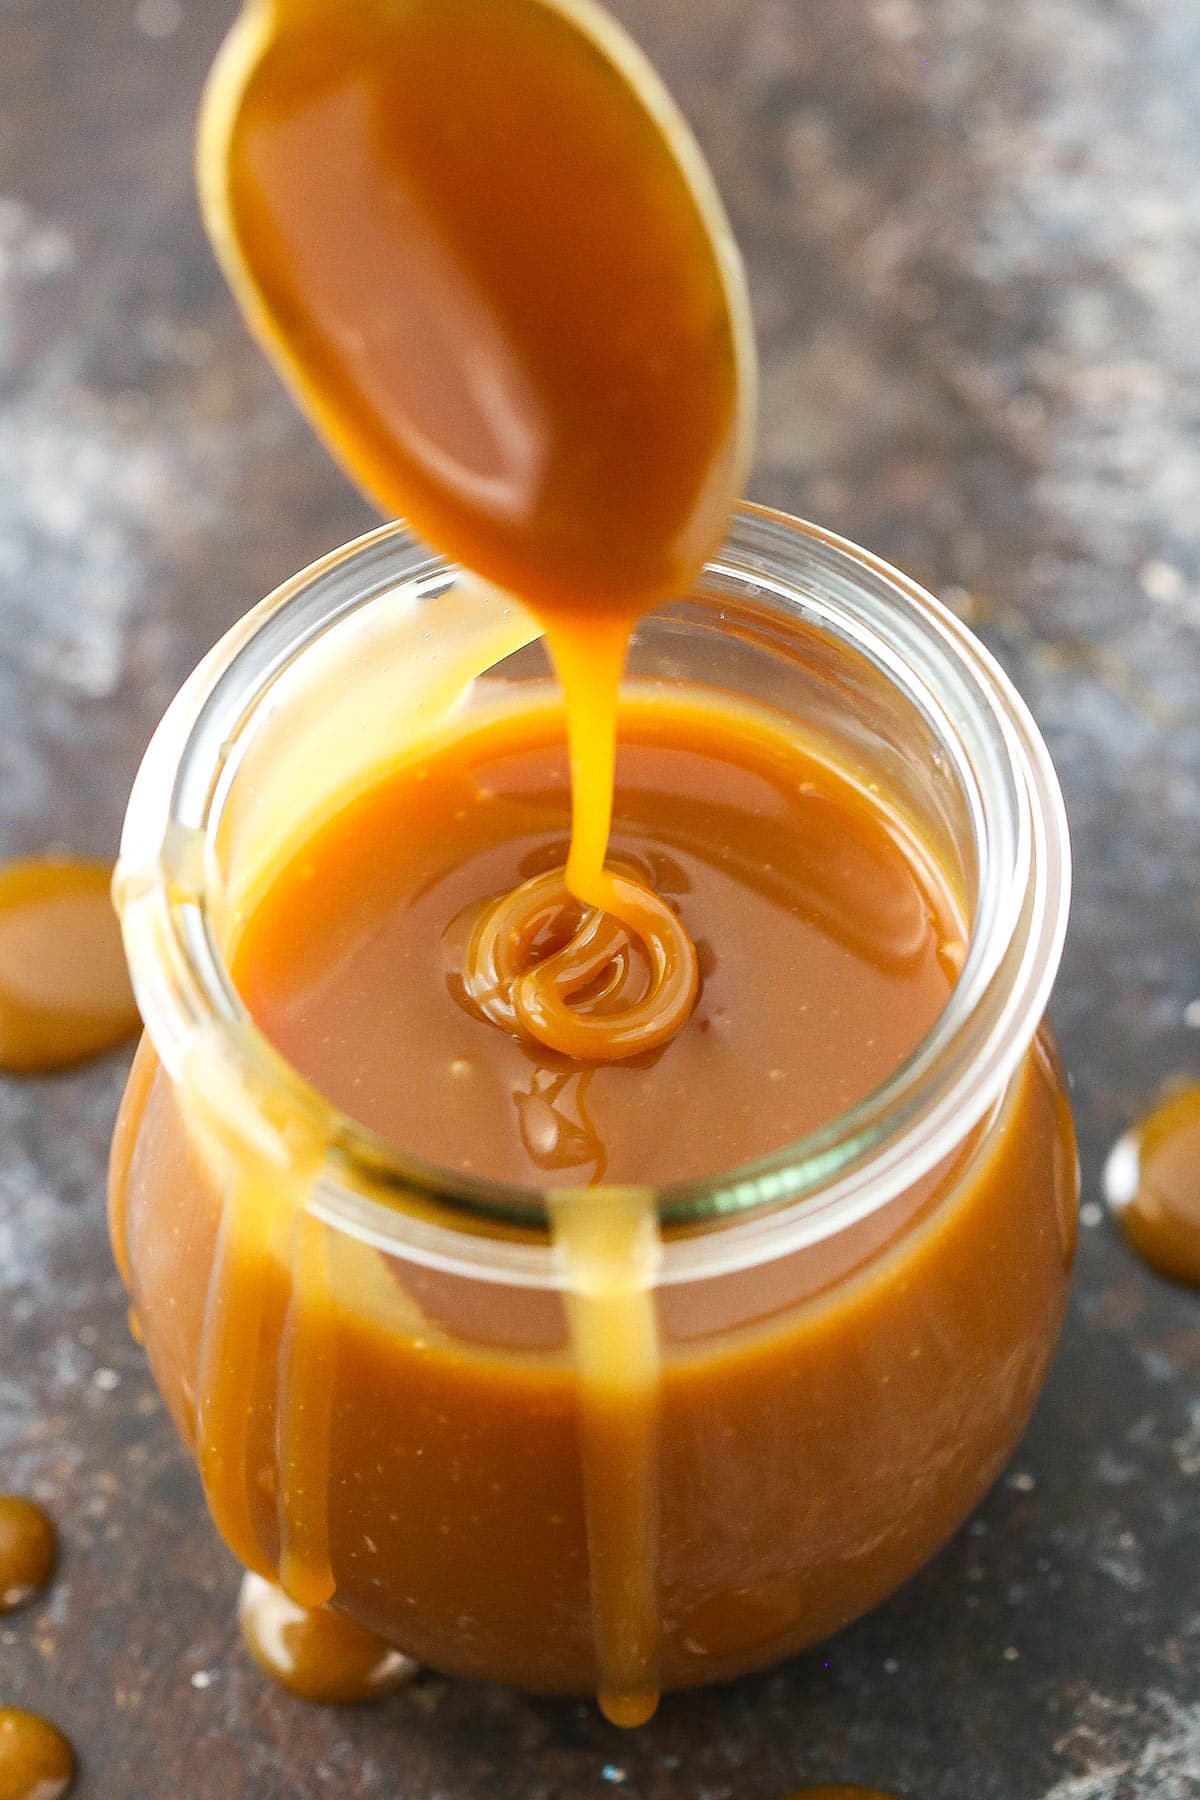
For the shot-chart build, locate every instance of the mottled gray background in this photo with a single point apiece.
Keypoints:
(973, 230)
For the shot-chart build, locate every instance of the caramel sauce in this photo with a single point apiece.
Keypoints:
(609, 1245)
(36, 1761)
(1152, 1183)
(838, 1791)
(314, 1653)
(516, 978)
(825, 935)
(124, 1142)
(64, 987)
(28, 1550)
(264, 1220)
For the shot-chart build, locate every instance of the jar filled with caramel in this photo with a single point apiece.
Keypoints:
(592, 1374)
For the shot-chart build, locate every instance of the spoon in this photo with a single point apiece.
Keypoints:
(482, 246)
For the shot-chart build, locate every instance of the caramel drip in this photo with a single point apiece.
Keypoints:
(266, 1232)
(231, 1349)
(36, 1761)
(589, 657)
(64, 988)
(624, 953)
(607, 1240)
(28, 1550)
(315, 1653)
(120, 1163)
(589, 654)
(305, 1420)
(555, 1122)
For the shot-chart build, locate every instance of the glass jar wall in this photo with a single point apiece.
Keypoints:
(378, 1363)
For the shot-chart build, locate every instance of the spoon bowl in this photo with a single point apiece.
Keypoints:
(482, 246)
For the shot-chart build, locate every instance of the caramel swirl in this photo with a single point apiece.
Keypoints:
(595, 985)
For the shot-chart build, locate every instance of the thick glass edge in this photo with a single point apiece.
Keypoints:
(776, 1204)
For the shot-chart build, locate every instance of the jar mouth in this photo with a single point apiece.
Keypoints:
(821, 1183)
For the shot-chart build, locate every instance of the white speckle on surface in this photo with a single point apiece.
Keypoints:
(67, 1364)
(167, 341)
(1120, 1178)
(1160, 581)
(1124, 1571)
(30, 250)
(890, 1666)
(107, 1380)
(1090, 1215)
(897, 20)
(1186, 1447)
(1022, 1481)
(1026, 412)
(158, 18)
(1112, 1472)
(959, 599)
(1011, 1653)
(202, 1678)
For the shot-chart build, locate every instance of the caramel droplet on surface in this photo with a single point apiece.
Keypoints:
(28, 1547)
(36, 1761)
(1152, 1185)
(839, 1792)
(64, 987)
(318, 1654)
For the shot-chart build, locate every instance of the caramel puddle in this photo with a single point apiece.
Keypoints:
(64, 987)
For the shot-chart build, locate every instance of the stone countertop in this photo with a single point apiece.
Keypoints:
(973, 235)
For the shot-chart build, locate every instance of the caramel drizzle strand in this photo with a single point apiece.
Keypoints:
(304, 1420)
(120, 1166)
(230, 1353)
(597, 958)
(607, 1239)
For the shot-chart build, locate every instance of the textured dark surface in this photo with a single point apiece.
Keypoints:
(973, 233)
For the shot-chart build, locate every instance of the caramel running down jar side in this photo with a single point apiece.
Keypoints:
(386, 1372)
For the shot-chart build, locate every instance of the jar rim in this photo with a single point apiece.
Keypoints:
(803, 1192)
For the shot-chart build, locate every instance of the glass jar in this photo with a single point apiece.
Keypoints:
(848, 1335)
